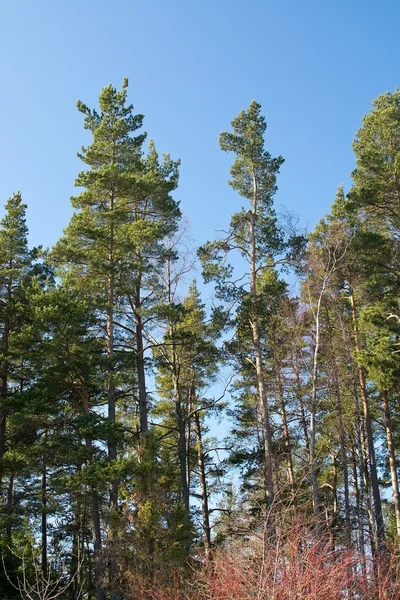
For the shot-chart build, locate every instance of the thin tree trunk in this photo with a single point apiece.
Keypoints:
(10, 502)
(111, 395)
(300, 399)
(365, 478)
(256, 338)
(97, 546)
(313, 403)
(95, 513)
(373, 536)
(335, 507)
(266, 425)
(4, 387)
(141, 374)
(188, 417)
(181, 418)
(343, 452)
(44, 519)
(358, 473)
(3, 429)
(392, 459)
(369, 436)
(360, 511)
(203, 487)
(182, 456)
(111, 400)
(286, 432)
(76, 548)
(90, 574)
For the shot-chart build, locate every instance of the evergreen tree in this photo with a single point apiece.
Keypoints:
(255, 234)
(15, 260)
(110, 251)
(377, 174)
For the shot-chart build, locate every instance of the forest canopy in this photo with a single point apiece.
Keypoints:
(114, 481)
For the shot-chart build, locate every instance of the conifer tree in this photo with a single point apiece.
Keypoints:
(377, 174)
(255, 234)
(109, 253)
(15, 260)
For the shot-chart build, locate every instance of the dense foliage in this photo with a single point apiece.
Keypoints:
(114, 373)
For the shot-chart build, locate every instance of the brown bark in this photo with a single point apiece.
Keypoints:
(343, 452)
(256, 338)
(182, 455)
(360, 510)
(180, 416)
(111, 401)
(373, 536)
(392, 459)
(380, 528)
(203, 487)
(4, 385)
(141, 374)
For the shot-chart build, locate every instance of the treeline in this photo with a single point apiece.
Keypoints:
(112, 370)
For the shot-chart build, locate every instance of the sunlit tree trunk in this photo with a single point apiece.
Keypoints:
(369, 435)
(392, 459)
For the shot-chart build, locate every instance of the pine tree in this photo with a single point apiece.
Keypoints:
(254, 233)
(110, 253)
(15, 260)
(377, 174)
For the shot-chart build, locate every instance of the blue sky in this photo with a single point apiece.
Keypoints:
(315, 67)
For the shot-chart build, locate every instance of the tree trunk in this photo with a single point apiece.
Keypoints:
(182, 456)
(256, 338)
(111, 395)
(111, 400)
(141, 374)
(392, 459)
(10, 502)
(76, 556)
(203, 487)
(4, 388)
(373, 536)
(380, 528)
(313, 403)
(286, 432)
(358, 486)
(44, 521)
(335, 507)
(300, 399)
(343, 452)
(95, 513)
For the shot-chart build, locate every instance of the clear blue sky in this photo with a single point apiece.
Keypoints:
(314, 65)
